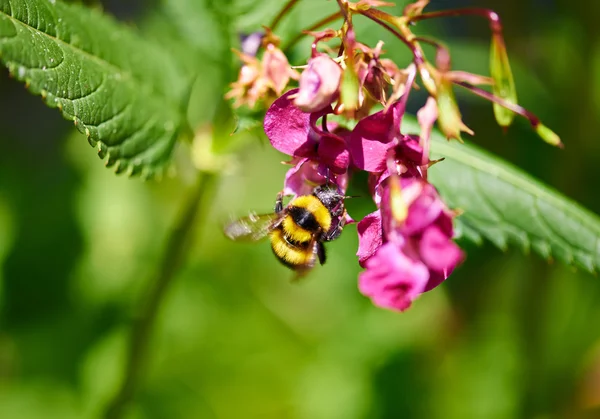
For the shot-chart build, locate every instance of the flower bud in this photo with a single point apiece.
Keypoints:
(504, 84)
(548, 135)
(276, 68)
(319, 84)
(449, 118)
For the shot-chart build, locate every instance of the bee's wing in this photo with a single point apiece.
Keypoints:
(253, 227)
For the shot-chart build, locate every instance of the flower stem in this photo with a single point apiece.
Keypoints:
(533, 120)
(142, 326)
(519, 110)
(495, 23)
(312, 28)
(286, 9)
(383, 19)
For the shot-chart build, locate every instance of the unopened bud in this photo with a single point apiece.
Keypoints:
(548, 135)
(277, 68)
(504, 84)
(319, 84)
(449, 118)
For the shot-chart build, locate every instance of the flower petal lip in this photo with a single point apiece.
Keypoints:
(288, 128)
(392, 280)
(303, 177)
(369, 236)
(306, 174)
(438, 251)
(423, 211)
(372, 138)
(370, 141)
(334, 153)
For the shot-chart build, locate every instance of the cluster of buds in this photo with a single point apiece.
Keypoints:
(406, 246)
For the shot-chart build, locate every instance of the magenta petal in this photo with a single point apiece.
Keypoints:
(423, 211)
(288, 128)
(410, 150)
(435, 279)
(303, 178)
(370, 141)
(393, 280)
(369, 237)
(439, 252)
(333, 153)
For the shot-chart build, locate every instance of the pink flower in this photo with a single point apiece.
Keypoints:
(307, 174)
(377, 137)
(295, 133)
(420, 243)
(319, 84)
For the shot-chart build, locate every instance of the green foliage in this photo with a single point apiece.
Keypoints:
(126, 94)
(506, 336)
(507, 206)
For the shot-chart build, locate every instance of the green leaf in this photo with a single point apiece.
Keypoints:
(508, 207)
(123, 92)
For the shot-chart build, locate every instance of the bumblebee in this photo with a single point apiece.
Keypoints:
(297, 231)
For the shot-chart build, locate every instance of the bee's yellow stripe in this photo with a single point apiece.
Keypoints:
(287, 253)
(294, 231)
(312, 204)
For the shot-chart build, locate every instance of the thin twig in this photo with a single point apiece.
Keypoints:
(286, 9)
(495, 23)
(312, 28)
(141, 330)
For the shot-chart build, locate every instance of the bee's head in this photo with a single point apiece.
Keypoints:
(330, 196)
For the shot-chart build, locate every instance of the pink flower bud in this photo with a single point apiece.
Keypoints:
(319, 84)
(276, 68)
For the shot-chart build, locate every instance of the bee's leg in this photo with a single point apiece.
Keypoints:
(321, 253)
(279, 202)
(335, 231)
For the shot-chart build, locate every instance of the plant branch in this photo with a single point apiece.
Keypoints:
(314, 27)
(174, 255)
(286, 9)
(384, 19)
(495, 23)
(533, 120)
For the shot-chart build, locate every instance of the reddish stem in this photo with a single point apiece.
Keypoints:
(443, 60)
(286, 9)
(379, 17)
(495, 23)
(314, 27)
(533, 120)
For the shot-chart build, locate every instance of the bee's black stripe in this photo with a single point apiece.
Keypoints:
(304, 219)
(295, 243)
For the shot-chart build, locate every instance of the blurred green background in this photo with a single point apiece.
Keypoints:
(508, 336)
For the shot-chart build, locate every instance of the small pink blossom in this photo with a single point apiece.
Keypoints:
(423, 237)
(319, 84)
